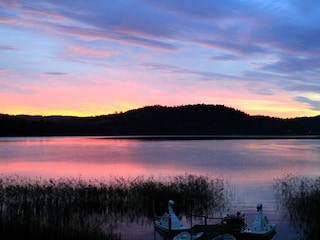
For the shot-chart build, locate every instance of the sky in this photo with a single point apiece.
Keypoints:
(89, 58)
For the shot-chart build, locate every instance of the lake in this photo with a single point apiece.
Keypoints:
(249, 165)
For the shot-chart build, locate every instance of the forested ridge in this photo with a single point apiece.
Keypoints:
(199, 119)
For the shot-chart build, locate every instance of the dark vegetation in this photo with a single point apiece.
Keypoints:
(159, 120)
(299, 199)
(92, 209)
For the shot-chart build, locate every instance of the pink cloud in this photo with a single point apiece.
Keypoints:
(114, 35)
(84, 52)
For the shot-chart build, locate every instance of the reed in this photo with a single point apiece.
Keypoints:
(300, 197)
(71, 208)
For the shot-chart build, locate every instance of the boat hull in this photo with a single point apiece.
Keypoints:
(265, 233)
(188, 236)
(225, 236)
(166, 229)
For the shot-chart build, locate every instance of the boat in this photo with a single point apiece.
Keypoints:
(234, 223)
(261, 226)
(188, 236)
(237, 218)
(169, 222)
(225, 236)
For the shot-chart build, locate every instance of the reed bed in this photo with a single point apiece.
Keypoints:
(299, 197)
(92, 209)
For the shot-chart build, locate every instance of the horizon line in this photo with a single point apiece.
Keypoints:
(155, 105)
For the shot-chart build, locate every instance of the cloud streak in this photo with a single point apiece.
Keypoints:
(314, 104)
(55, 73)
(8, 48)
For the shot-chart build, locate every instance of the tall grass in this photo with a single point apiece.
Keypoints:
(300, 198)
(91, 209)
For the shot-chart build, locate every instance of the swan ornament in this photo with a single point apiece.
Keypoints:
(169, 221)
(261, 225)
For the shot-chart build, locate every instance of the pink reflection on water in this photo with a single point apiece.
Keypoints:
(67, 169)
(49, 170)
(242, 162)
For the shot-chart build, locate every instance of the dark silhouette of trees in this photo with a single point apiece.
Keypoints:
(198, 119)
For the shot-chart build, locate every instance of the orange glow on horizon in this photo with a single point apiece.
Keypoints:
(95, 95)
(281, 112)
(62, 112)
(88, 101)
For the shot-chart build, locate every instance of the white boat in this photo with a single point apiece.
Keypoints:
(225, 236)
(188, 236)
(169, 221)
(261, 226)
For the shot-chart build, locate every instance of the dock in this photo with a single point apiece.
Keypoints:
(211, 231)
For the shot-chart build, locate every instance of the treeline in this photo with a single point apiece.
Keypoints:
(160, 120)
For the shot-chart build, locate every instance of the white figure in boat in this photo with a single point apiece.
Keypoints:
(261, 225)
(261, 221)
(164, 223)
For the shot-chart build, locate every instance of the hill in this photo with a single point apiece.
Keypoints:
(159, 120)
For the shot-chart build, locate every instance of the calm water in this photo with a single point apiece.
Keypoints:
(249, 165)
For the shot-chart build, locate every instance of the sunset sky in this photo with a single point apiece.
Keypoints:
(94, 57)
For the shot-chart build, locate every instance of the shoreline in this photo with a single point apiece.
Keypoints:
(208, 137)
(175, 137)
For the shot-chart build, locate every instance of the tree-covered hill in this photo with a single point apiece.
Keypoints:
(159, 120)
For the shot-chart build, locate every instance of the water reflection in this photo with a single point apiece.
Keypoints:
(250, 166)
(235, 159)
(299, 199)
